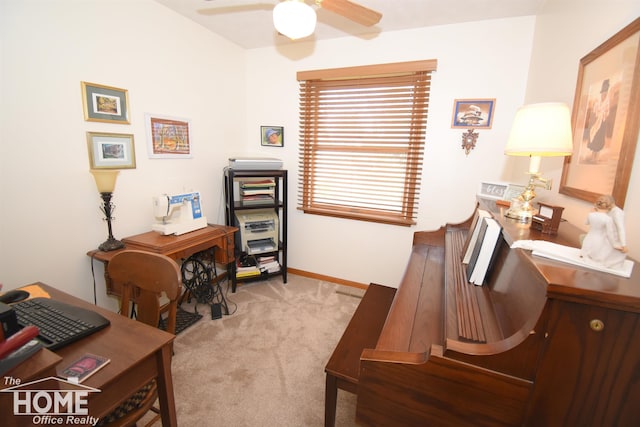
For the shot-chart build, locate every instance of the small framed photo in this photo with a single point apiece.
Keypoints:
(111, 150)
(492, 190)
(473, 113)
(168, 137)
(105, 103)
(272, 136)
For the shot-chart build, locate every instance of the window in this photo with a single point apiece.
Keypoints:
(362, 135)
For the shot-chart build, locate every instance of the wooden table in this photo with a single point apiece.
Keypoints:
(138, 354)
(175, 247)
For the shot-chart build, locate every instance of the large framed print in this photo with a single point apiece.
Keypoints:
(168, 137)
(105, 103)
(606, 116)
(111, 150)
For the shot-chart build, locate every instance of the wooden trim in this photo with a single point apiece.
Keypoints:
(327, 278)
(369, 70)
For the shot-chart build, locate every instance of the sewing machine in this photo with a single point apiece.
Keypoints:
(178, 214)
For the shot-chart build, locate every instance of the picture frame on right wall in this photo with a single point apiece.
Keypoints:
(605, 119)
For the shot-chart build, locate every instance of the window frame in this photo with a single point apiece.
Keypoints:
(317, 138)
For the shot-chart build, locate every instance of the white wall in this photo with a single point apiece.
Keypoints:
(49, 214)
(49, 208)
(475, 60)
(566, 31)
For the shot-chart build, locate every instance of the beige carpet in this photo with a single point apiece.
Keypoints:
(264, 364)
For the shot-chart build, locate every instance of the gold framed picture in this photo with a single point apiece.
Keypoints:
(111, 150)
(105, 103)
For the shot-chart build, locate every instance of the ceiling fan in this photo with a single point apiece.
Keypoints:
(297, 19)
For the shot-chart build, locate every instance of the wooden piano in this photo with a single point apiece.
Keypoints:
(541, 344)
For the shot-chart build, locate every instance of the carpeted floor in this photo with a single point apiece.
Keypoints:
(263, 364)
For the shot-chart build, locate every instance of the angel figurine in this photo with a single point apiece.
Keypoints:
(605, 243)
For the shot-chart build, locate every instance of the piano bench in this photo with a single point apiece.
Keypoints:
(363, 331)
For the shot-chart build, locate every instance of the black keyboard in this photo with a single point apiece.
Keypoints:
(59, 323)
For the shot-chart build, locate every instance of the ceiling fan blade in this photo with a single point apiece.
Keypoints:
(352, 11)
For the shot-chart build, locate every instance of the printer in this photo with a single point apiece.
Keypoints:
(258, 230)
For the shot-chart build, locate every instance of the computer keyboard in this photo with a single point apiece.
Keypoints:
(59, 323)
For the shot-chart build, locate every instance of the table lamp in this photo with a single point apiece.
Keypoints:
(539, 130)
(106, 182)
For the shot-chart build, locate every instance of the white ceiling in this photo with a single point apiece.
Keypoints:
(249, 23)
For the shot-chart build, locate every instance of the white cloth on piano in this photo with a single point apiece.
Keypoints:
(569, 255)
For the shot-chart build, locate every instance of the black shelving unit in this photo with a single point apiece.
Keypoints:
(278, 203)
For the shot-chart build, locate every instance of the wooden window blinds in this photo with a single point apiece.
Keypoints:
(362, 133)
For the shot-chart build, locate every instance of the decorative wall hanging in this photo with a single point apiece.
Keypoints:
(472, 114)
(469, 139)
(272, 136)
(105, 103)
(111, 150)
(168, 137)
(606, 118)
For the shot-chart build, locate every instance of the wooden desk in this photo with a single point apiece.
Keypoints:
(138, 354)
(175, 247)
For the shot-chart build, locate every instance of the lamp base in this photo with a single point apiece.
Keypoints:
(111, 244)
(520, 214)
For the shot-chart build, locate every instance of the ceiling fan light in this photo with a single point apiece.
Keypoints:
(295, 19)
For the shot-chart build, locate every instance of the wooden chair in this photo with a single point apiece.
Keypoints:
(144, 276)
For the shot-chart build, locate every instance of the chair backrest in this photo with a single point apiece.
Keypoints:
(143, 277)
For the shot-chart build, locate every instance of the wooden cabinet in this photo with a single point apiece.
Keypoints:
(256, 203)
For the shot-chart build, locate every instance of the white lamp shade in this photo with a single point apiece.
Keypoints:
(105, 179)
(541, 130)
(295, 19)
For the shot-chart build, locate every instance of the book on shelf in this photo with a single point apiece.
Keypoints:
(472, 235)
(483, 252)
(258, 183)
(248, 273)
(257, 199)
(268, 264)
(257, 191)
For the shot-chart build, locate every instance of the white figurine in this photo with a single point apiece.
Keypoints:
(605, 242)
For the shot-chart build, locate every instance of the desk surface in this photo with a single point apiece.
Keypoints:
(138, 353)
(179, 247)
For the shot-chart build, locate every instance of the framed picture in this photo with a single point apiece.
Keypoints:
(105, 103)
(473, 113)
(606, 116)
(168, 137)
(111, 150)
(492, 190)
(272, 136)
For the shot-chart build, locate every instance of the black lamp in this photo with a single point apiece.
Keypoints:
(106, 182)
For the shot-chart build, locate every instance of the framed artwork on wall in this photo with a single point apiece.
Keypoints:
(105, 103)
(606, 119)
(111, 150)
(168, 137)
(473, 113)
(272, 136)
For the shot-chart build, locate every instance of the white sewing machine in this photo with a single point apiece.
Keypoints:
(178, 214)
